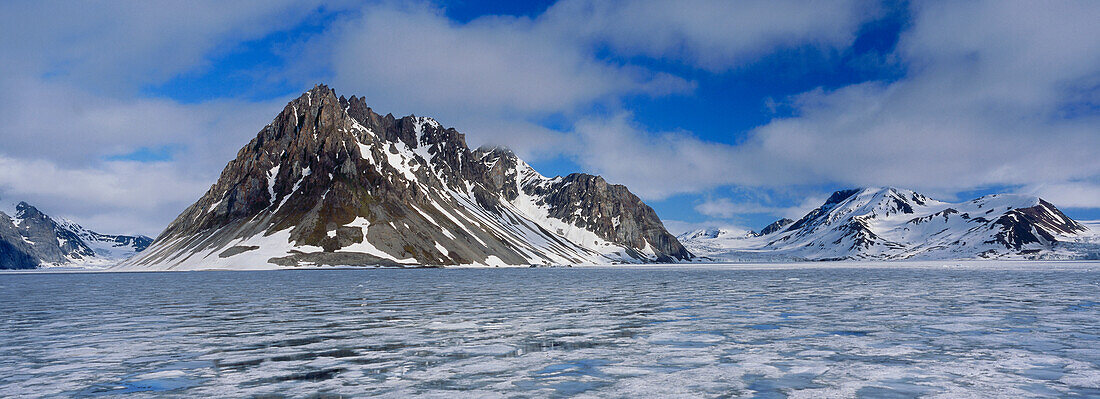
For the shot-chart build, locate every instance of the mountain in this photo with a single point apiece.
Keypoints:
(331, 182)
(31, 239)
(715, 233)
(893, 223)
(729, 234)
(777, 225)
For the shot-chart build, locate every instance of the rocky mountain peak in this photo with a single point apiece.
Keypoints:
(334, 182)
(24, 210)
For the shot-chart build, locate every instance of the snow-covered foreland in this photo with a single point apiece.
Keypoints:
(898, 224)
(30, 239)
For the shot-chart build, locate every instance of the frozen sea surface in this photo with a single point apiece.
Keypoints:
(584, 332)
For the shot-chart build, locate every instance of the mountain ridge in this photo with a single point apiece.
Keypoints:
(892, 224)
(331, 182)
(31, 239)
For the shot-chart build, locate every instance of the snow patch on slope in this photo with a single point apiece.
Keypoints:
(890, 223)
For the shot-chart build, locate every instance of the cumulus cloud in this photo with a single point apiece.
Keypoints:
(111, 197)
(654, 165)
(714, 35)
(70, 80)
(983, 104)
(416, 58)
(996, 94)
(71, 126)
(791, 206)
(495, 71)
(1075, 194)
(723, 208)
(59, 142)
(116, 46)
(493, 78)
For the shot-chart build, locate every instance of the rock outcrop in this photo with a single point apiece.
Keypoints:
(776, 226)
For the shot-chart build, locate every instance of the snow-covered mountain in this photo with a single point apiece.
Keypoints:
(715, 233)
(31, 239)
(891, 223)
(331, 182)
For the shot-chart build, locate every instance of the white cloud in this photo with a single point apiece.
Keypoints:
(653, 165)
(982, 104)
(68, 125)
(1067, 194)
(117, 46)
(723, 208)
(801, 208)
(59, 138)
(997, 93)
(111, 198)
(716, 35)
(415, 58)
(498, 72)
(490, 78)
(790, 205)
(69, 80)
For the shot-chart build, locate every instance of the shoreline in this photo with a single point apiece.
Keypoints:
(1037, 265)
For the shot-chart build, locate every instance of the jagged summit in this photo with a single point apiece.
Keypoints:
(894, 223)
(332, 182)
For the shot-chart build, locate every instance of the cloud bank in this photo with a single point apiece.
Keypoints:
(991, 93)
(995, 93)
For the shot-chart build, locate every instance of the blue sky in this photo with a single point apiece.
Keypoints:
(715, 113)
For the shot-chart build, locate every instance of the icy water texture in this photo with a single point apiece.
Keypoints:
(698, 332)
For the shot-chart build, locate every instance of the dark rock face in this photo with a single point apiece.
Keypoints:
(15, 252)
(50, 242)
(13, 257)
(33, 239)
(343, 179)
(139, 243)
(613, 213)
(841, 195)
(815, 216)
(1033, 225)
(776, 226)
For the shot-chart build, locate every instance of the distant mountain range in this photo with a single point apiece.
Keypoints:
(895, 224)
(30, 239)
(331, 182)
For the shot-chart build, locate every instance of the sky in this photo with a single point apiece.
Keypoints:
(120, 114)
